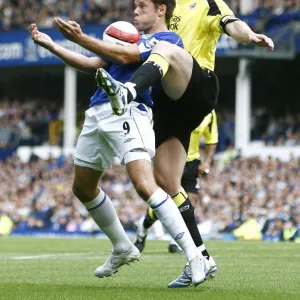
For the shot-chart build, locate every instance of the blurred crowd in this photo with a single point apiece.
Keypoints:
(274, 129)
(16, 14)
(267, 7)
(36, 122)
(277, 7)
(26, 122)
(251, 198)
(37, 195)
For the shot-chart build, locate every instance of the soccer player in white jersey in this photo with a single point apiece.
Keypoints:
(131, 138)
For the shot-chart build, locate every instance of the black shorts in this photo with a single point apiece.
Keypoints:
(190, 178)
(179, 118)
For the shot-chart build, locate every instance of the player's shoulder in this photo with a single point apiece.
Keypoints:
(167, 36)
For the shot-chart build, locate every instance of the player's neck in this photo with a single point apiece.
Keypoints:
(157, 28)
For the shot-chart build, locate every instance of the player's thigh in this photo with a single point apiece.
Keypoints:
(92, 148)
(199, 98)
(92, 156)
(179, 73)
(131, 135)
(169, 164)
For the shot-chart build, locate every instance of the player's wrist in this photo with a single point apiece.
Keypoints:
(83, 40)
(53, 47)
(252, 37)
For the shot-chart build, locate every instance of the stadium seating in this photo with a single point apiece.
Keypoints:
(18, 14)
(37, 197)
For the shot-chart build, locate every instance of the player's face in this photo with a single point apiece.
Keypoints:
(145, 15)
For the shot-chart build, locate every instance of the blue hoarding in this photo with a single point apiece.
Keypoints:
(17, 48)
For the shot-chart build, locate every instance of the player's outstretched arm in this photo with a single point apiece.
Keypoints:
(119, 54)
(73, 59)
(241, 32)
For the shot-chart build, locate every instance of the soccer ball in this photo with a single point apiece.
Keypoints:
(121, 33)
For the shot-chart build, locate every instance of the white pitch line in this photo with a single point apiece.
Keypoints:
(52, 255)
(99, 255)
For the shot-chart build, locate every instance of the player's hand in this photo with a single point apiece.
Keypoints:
(40, 38)
(203, 168)
(71, 29)
(261, 40)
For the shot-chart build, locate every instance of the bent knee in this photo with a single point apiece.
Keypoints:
(166, 49)
(144, 188)
(83, 193)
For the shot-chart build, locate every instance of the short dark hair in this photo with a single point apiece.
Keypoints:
(170, 4)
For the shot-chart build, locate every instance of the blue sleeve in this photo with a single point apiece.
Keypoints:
(107, 61)
(147, 42)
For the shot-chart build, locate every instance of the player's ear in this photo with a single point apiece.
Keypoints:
(162, 10)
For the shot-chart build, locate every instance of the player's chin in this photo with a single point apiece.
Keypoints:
(138, 25)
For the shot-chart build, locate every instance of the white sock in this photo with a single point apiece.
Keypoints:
(169, 215)
(172, 242)
(104, 214)
(131, 87)
(202, 248)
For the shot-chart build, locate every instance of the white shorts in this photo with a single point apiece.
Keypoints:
(105, 136)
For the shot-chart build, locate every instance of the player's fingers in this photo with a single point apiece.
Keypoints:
(60, 24)
(256, 39)
(63, 23)
(33, 32)
(55, 22)
(271, 44)
(268, 42)
(31, 27)
(73, 23)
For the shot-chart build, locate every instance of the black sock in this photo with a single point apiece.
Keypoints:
(205, 253)
(187, 211)
(145, 76)
(149, 221)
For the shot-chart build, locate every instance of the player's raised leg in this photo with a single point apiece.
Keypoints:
(167, 62)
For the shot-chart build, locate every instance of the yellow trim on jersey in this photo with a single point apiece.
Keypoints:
(198, 24)
(209, 129)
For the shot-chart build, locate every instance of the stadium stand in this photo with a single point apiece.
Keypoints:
(32, 123)
(18, 14)
(266, 126)
(37, 197)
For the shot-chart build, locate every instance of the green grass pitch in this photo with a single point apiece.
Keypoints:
(35, 268)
